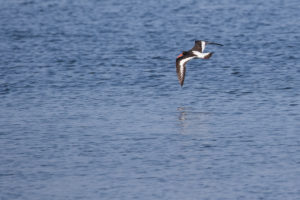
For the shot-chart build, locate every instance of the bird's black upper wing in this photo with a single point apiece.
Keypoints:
(180, 66)
(199, 46)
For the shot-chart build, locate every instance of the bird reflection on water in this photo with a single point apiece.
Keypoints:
(182, 118)
(192, 122)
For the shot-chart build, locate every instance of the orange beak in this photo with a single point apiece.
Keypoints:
(179, 55)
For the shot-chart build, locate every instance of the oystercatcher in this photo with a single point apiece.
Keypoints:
(195, 52)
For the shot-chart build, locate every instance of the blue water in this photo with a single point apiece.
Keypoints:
(91, 108)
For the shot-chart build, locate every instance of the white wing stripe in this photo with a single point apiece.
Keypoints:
(186, 60)
(202, 45)
(181, 64)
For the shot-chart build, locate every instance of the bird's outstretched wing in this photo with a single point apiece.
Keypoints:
(180, 66)
(199, 46)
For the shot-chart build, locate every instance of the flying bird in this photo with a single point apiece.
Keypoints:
(195, 52)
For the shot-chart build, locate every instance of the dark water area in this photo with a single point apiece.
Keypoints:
(91, 108)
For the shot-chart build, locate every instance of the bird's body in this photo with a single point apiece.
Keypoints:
(185, 56)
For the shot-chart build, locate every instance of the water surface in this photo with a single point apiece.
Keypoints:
(91, 107)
